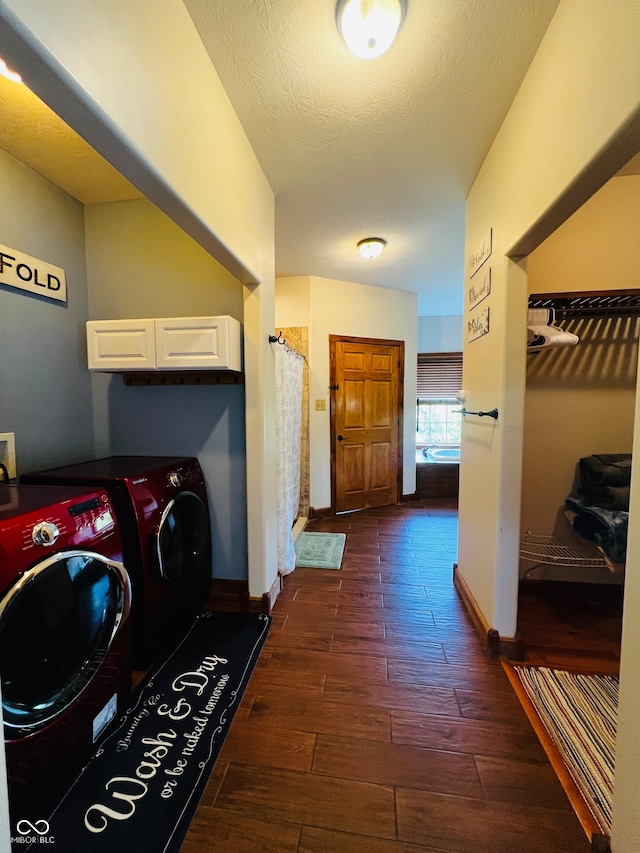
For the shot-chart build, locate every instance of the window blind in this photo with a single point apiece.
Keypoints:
(439, 375)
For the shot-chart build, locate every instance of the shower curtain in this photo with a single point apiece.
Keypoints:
(289, 368)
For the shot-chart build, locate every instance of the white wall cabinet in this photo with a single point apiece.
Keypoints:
(168, 343)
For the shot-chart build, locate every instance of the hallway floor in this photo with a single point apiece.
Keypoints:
(374, 721)
(571, 626)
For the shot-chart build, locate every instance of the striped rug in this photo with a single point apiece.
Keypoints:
(579, 713)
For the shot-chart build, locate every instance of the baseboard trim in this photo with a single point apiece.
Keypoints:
(321, 512)
(407, 498)
(233, 596)
(487, 634)
(496, 646)
(269, 598)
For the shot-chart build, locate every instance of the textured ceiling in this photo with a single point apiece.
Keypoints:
(352, 148)
(34, 134)
(386, 147)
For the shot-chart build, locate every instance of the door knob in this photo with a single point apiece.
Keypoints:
(340, 438)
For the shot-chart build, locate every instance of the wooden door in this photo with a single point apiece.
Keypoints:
(366, 416)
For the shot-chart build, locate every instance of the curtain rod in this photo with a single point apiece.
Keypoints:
(273, 339)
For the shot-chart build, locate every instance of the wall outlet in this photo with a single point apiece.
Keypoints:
(321, 405)
(8, 452)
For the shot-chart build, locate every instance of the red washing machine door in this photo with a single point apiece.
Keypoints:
(182, 540)
(57, 623)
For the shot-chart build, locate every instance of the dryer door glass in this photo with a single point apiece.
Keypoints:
(182, 539)
(56, 626)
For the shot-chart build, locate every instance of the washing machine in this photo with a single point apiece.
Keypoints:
(162, 510)
(65, 640)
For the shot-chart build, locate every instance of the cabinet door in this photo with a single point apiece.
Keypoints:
(203, 343)
(117, 345)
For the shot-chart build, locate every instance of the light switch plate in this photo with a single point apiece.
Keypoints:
(8, 452)
(321, 405)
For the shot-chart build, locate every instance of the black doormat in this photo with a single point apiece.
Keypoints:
(140, 790)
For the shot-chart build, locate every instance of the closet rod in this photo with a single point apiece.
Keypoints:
(590, 303)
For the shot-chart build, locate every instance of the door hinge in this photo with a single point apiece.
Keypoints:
(334, 387)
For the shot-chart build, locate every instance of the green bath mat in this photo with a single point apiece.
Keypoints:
(320, 550)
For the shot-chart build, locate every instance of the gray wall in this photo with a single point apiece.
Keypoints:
(45, 388)
(141, 265)
(120, 260)
(440, 334)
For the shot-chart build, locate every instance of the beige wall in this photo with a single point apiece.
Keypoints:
(552, 132)
(626, 816)
(580, 400)
(580, 92)
(150, 101)
(143, 265)
(140, 88)
(595, 249)
(330, 307)
(153, 101)
(293, 301)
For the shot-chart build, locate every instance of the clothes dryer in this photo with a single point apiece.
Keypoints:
(65, 641)
(162, 510)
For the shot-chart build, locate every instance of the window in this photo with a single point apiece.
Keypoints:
(439, 380)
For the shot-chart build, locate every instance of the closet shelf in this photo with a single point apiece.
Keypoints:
(548, 550)
(594, 303)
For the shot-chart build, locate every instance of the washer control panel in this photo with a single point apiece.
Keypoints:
(77, 522)
(189, 475)
(45, 533)
(93, 516)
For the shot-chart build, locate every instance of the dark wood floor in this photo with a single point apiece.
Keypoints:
(375, 723)
(577, 627)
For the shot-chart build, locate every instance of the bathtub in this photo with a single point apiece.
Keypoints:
(437, 472)
(441, 454)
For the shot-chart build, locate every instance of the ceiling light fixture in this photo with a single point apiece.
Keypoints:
(8, 73)
(369, 27)
(371, 247)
